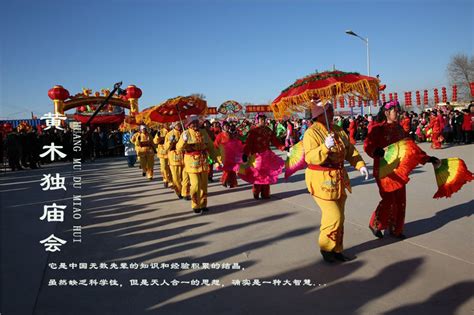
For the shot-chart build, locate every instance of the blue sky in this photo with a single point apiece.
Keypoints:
(243, 50)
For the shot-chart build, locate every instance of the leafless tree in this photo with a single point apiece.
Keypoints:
(200, 95)
(461, 71)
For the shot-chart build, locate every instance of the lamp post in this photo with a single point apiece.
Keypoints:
(366, 40)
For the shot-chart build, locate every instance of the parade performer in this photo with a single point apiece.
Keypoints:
(175, 159)
(435, 130)
(326, 178)
(266, 165)
(289, 134)
(211, 133)
(352, 130)
(144, 148)
(129, 148)
(230, 150)
(195, 147)
(390, 212)
(162, 154)
(405, 123)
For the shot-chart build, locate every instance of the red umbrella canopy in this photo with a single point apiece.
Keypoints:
(324, 86)
(175, 109)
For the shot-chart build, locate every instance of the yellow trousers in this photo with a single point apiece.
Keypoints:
(177, 176)
(165, 170)
(147, 162)
(185, 184)
(332, 224)
(198, 190)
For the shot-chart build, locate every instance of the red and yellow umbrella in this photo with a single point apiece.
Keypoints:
(174, 109)
(323, 86)
(129, 123)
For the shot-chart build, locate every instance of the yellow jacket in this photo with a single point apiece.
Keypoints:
(195, 151)
(174, 157)
(143, 149)
(329, 183)
(159, 139)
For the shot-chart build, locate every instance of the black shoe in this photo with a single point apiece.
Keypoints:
(143, 174)
(328, 256)
(187, 198)
(165, 184)
(377, 233)
(342, 257)
(400, 236)
(180, 197)
(205, 209)
(197, 211)
(256, 197)
(266, 197)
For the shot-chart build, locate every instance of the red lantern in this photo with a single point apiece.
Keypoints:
(383, 97)
(436, 96)
(133, 92)
(390, 96)
(360, 101)
(366, 103)
(443, 94)
(425, 97)
(418, 98)
(454, 96)
(58, 93)
(395, 96)
(471, 86)
(341, 101)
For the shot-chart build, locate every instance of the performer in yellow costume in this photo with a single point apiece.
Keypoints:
(195, 147)
(327, 179)
(175, 159)
(133, 140)
(162, 154)
(144, 147)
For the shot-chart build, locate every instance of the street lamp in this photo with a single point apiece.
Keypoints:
(366, 40)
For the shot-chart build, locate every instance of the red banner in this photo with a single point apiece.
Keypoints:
(258, 109)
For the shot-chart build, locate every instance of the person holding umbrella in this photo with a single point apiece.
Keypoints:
(195, 147)
(326, 148)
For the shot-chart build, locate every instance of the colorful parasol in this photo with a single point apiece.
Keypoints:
(174, 109)
(323, 86)
(295, 160)
(399, 160)
(230, 107)
(451, 175)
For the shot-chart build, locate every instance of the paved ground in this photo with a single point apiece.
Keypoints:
(126, 219)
